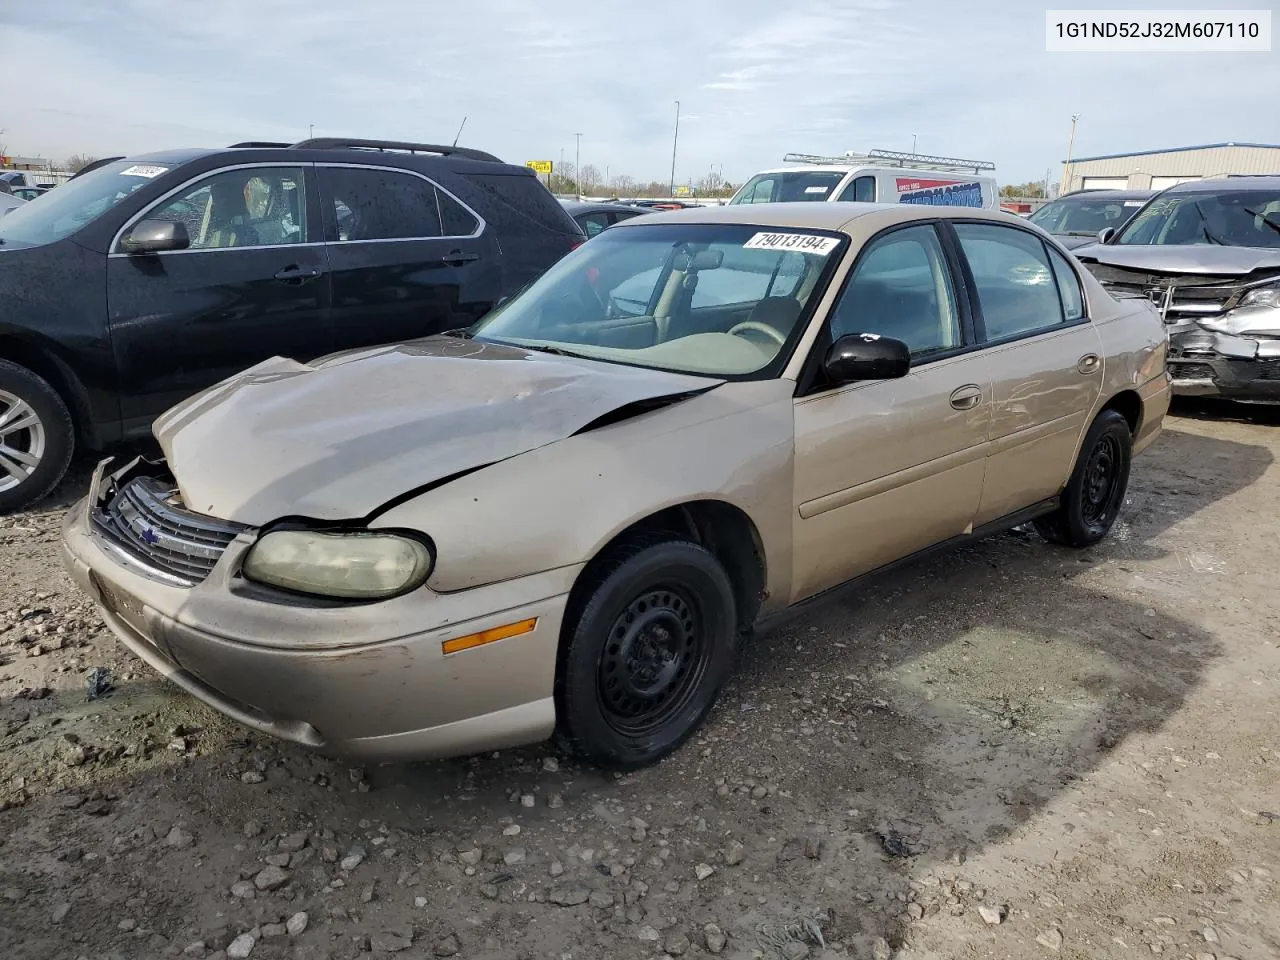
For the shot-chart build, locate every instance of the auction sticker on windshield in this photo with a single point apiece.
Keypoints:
(147, 170)
(799, 242)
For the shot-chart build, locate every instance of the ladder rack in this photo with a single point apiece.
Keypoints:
(893, 158)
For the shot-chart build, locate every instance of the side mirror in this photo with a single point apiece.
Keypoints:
(155, 236)
(1105, 234)
(866, 356)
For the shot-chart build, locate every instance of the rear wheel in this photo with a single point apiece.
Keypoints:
(1095, 491)
(651, 646)
(36, 437)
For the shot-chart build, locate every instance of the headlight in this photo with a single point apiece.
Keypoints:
(1262, 297)
(355, 565)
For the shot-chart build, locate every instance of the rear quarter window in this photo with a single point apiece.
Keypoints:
(515, 202)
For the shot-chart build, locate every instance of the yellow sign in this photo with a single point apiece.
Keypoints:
(682, 191)
(539, 166)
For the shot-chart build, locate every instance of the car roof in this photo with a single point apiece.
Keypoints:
(816, 215)
(1262, 184)
(588, 206)
(1110, 194)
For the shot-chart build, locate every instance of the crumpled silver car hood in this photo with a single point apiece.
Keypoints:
(337, 438)
(1198, 258)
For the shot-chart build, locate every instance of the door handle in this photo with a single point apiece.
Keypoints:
(296, 274)
(966, 397)
(456, 258)
(1088, 363)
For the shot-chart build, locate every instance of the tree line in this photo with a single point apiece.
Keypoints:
(564, 179)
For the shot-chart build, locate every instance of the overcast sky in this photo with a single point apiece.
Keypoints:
(755, 78)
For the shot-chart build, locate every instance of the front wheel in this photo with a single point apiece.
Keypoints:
(36, 437)
(1095, 491)
(648, 653)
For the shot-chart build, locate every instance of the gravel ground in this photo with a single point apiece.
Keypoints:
(1008, 751)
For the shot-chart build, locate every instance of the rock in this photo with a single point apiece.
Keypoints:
(550, 764)
(556, 868)
(244, 890)
(677, 945)
(1210, 935)
(471, 857)
(703, 870)
(127, 926)
(278, 859)
(511, 831)
(273, 930)
(390, 942)
(297, 924)
(813, 848)
(569, 894)
(528, 800)
(329, 853)
(195, 949)
(880, 950)
(1051, 939)
(252, 828)
(421, 902)
(601, 899)
(648, 934)
(446, 947)
(60, 912)
(179, 839)
(734, 853)
(991, 915)
(489, 891)
(554, 800)
(793, 849)
(714, 939)
(513, 857)
(251, 777)
(353, 859)
(367, 892)
(915, 911)
(795, 950)
(292, 842)
(271, 878)
(241, 947)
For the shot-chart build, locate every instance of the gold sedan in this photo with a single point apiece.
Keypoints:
(564, 519)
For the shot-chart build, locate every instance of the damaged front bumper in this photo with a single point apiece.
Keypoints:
(1206, 363)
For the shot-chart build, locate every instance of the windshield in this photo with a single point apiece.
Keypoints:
(789, 186)
(65, 209)
(1084, 216)
(1233, 218)
(715, 299)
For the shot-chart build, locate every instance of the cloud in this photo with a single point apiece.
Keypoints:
(762, 79)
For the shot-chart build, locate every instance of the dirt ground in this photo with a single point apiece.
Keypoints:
(1010, 751)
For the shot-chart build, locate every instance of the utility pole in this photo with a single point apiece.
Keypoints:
(913, 143)
(311, 130)
(675, 139)
(1066, 168)
(577, 163)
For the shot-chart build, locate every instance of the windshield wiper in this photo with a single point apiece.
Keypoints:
(1253, 213)
(1205, 230)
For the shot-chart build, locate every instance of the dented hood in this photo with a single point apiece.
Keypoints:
(338, 438)
(1196, 258)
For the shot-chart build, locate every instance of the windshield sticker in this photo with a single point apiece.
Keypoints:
(818, 189)
(799, 242)
(939, 193)
(1133, 203)
(147, 170)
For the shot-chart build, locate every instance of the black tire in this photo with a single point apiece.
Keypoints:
(670, 605)
(56, 445)
(1095, 492)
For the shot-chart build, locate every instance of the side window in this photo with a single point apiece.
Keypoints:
(593, 223)
(746, 277)
(862, 190)
(365, 204)
(1016, 287)
(251, 207)
(455, 219)
(762, 192)
(1068, 287)
(901, 288)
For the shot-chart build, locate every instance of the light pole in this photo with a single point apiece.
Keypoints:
(1066, 168)
(913, 143)
(577, 163)
(311, 130)
(675, 139)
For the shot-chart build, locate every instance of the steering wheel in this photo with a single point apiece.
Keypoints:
(738, 329)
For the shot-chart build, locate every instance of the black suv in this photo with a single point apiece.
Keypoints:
(141, 282)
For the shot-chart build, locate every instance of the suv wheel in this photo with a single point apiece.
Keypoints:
(647, 654)
(1092, 498)
(36, 437)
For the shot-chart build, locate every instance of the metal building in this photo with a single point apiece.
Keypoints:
(1157, 169)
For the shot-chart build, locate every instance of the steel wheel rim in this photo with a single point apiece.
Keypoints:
(1098, 493)
(22, 440)
(653, 661)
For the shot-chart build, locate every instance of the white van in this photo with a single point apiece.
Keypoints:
(881, 176)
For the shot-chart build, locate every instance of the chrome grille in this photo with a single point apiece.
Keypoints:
(1194, 297)
(145, 517)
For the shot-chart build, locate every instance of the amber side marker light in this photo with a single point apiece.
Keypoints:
(458, 644)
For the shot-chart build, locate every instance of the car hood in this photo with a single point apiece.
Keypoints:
(1209, 260)
(342, 436)
(1073, 242)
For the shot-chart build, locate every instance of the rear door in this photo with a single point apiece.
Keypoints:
(408, 259)
(253, 284)
(1046, 361)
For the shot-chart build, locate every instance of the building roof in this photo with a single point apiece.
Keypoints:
(1202, 146)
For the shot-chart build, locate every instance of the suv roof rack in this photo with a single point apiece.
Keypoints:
(893, 158)
(258, 143)
(335, 143)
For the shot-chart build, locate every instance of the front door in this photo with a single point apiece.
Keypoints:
(887, 468)
(1046, 362)
(252, 285)
(408, 258)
